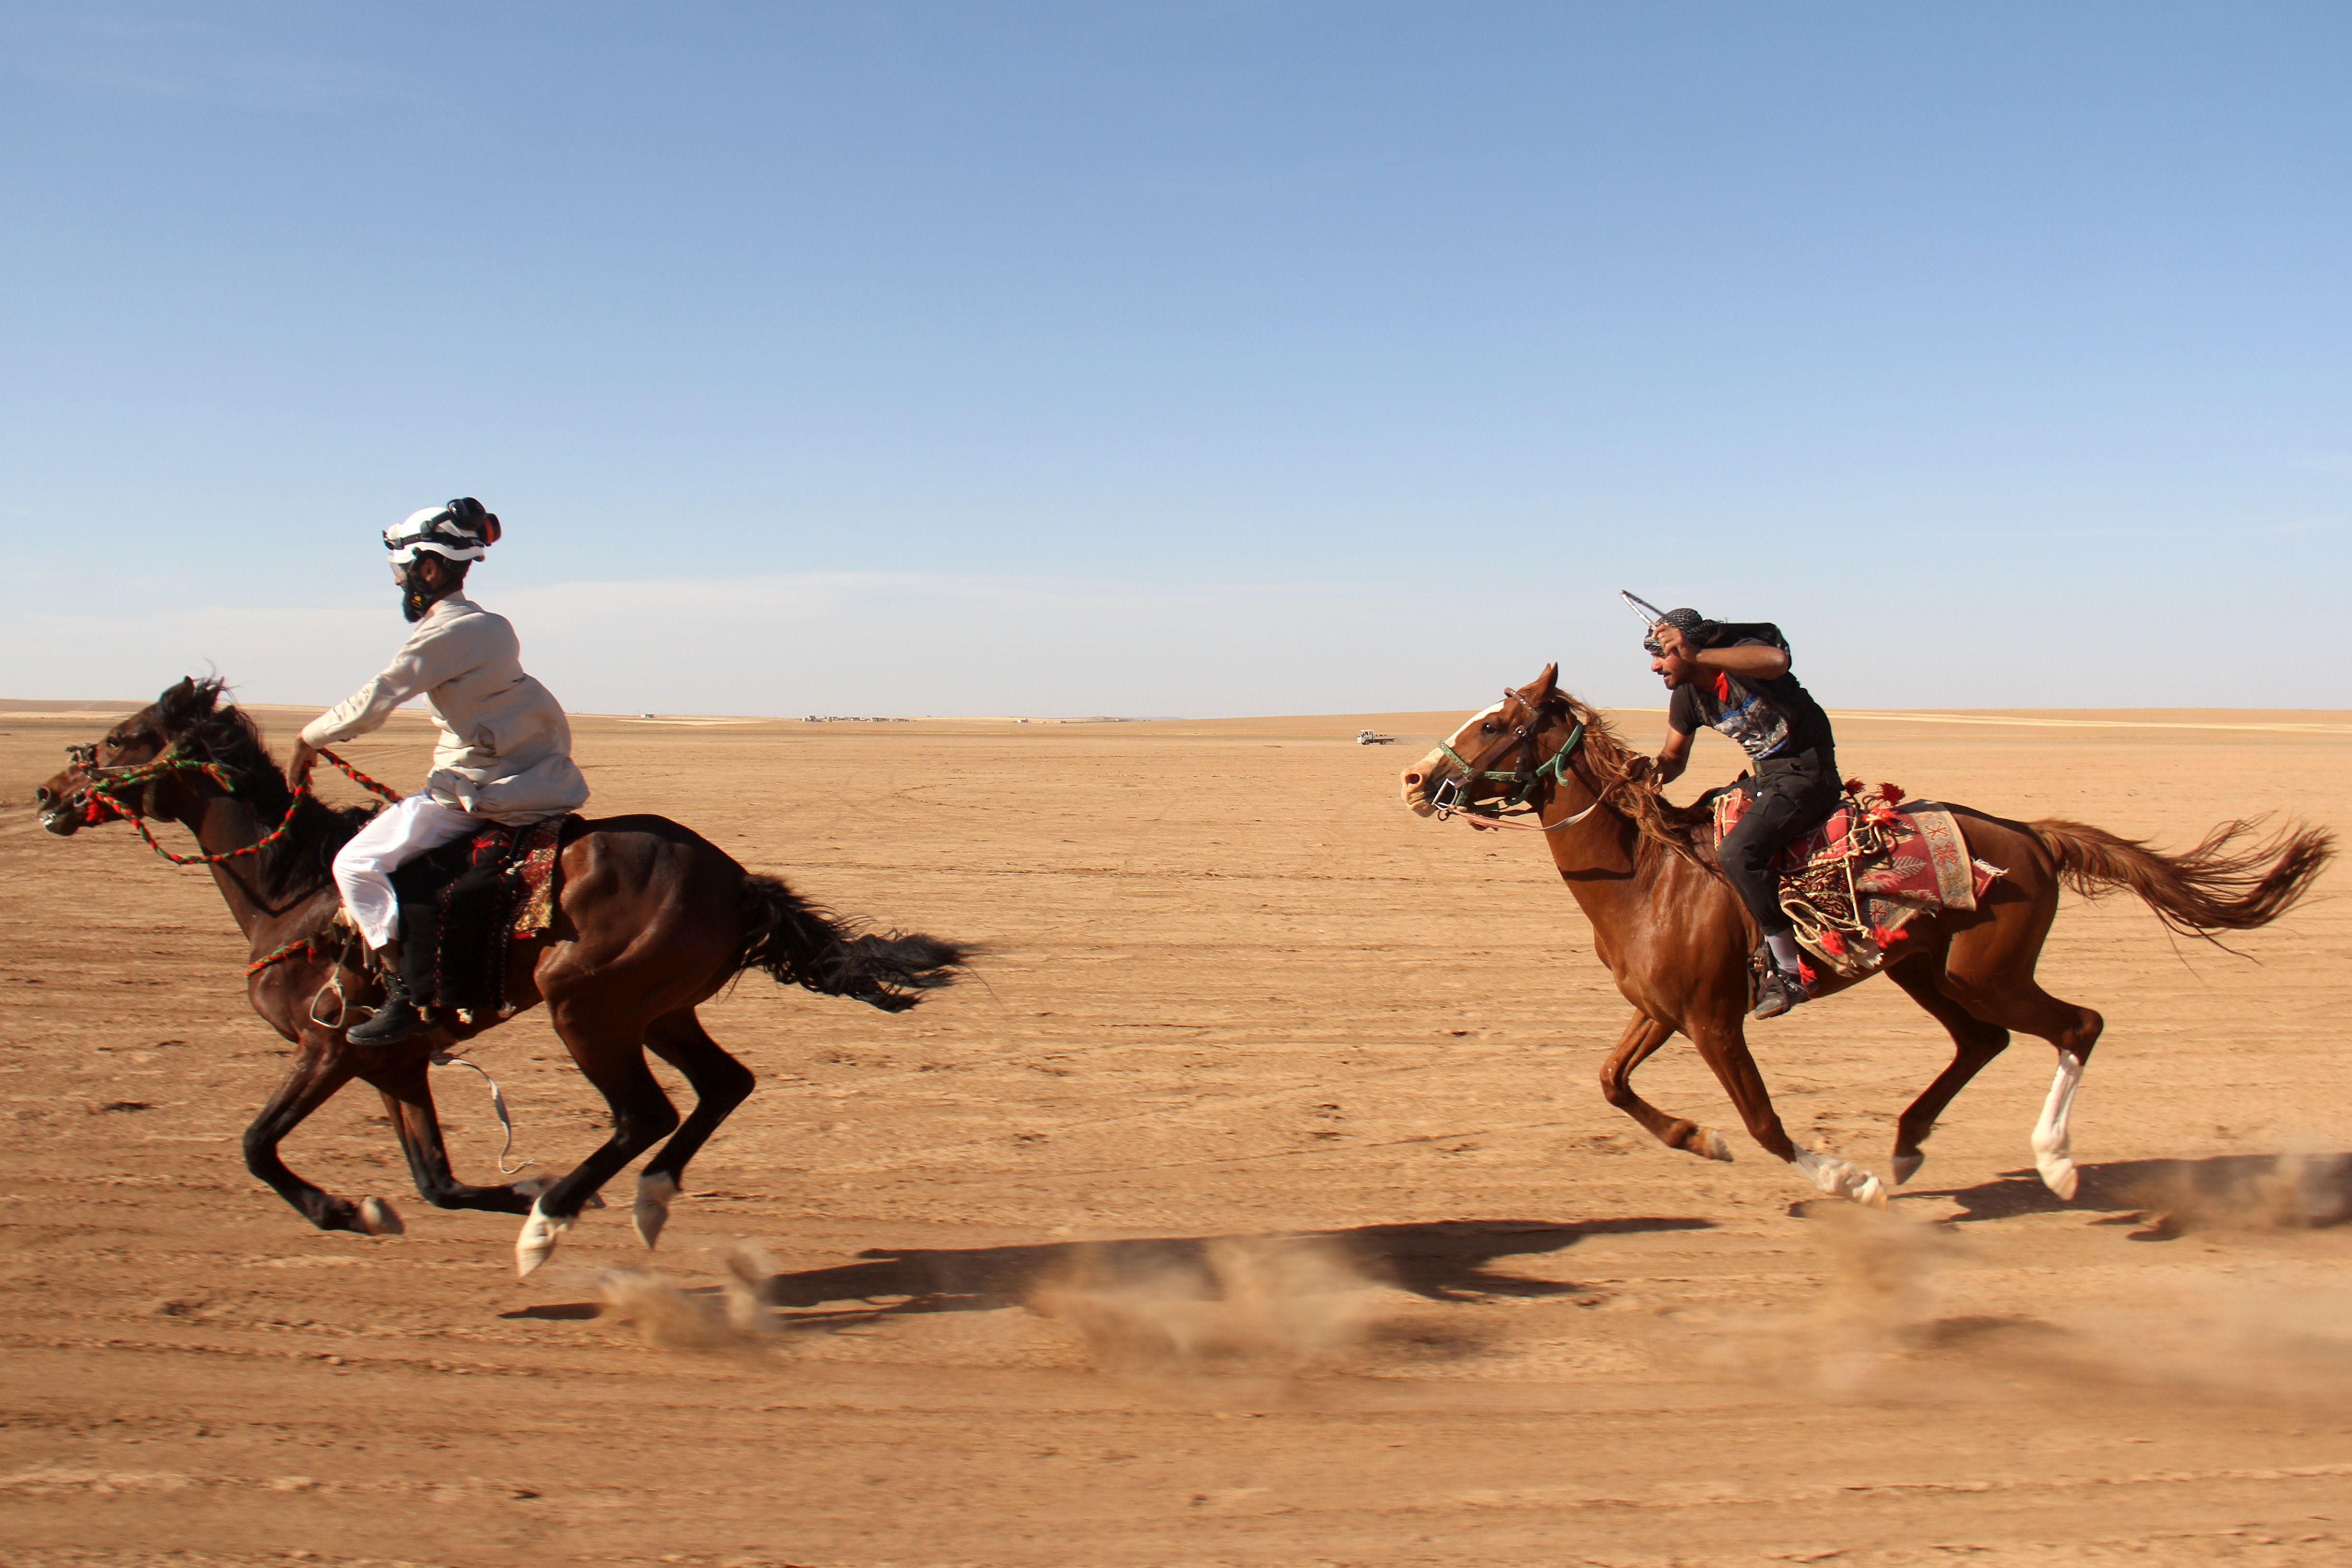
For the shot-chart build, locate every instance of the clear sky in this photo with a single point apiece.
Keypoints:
(1184, 358)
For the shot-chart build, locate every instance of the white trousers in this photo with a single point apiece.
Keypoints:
(393, 838)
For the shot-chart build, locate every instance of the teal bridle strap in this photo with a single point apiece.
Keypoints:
(1525, 780)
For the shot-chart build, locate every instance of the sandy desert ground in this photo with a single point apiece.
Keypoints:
(1254, 1204)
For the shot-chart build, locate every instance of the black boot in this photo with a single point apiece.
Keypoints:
(403, 1016)
(1782, 989)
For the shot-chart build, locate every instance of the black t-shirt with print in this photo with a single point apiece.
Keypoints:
(1775, 718)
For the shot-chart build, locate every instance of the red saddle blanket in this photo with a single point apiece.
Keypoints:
(516, 903)
(1911, 853)
(531, 862)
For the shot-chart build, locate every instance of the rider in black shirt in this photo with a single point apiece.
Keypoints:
(1736, 678)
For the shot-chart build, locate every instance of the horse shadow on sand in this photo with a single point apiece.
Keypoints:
(1445, 1260)
(2168, 1198)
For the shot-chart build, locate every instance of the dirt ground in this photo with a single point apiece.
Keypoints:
(1253, 1205)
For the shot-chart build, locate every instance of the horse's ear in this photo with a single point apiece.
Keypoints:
(1538, 691)
(186, 703)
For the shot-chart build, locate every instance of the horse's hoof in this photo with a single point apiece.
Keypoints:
(1908, 1166)
(536, 1245)
(1839, 1178)
(652, 1212)
(2059, 1174)
(1709, 1144)
(378, 1217)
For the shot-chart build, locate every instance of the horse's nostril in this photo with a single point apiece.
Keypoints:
(1412, 778)
(43, 797)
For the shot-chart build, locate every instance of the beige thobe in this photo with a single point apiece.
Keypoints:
(505, 749)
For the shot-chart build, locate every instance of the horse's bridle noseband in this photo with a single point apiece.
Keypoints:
(1454, 794)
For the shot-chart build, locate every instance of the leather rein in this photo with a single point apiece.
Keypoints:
(1525, 777)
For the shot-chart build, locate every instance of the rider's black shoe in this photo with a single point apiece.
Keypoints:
(1781, 990)
(398, 1019)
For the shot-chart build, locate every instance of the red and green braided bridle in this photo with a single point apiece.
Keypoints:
(97, 802)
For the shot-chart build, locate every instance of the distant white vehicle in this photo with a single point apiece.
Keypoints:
(1367, 737)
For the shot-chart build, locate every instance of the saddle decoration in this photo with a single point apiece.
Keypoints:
(1853, 884)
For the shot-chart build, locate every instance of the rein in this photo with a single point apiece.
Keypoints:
(97, 802)
(1526, 778)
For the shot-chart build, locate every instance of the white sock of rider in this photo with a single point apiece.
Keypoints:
(1785, 954)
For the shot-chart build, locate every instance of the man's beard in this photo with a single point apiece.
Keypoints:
(415, 598)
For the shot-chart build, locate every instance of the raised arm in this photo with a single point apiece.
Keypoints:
(1762, 661)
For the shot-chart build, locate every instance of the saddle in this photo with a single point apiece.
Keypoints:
(1853, 884)
(468, 899)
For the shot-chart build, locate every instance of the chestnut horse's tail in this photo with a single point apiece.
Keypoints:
(800, 944)
(2211, 887)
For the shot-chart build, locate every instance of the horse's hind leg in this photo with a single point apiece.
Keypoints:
(609, 1047)
(1641, 1041)
(408, 1101)
(2014, 1002)
(719, 1084)
(1989, 972)
(1974, 1043)
(322, 1065)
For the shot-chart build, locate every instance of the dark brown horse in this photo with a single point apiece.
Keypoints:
(1677, 940)
(651, 920)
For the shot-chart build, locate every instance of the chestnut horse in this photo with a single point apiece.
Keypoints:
(1677, 940)
(651, 921)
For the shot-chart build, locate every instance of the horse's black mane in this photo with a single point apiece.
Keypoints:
(199, 726)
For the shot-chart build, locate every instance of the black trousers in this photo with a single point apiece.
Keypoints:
(1788, 797)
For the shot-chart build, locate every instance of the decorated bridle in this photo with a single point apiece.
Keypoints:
(95, 796)
(1526, 777)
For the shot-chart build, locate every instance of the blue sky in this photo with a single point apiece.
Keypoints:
(1187, 358)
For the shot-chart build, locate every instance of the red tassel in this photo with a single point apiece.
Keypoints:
(1831, 943)
(1723, 689)
(1892, 793)
(1806, 973)
(1886, 938)
(1854, 786)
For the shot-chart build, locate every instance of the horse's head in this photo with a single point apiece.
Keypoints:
(84, 793)
(1492, 740)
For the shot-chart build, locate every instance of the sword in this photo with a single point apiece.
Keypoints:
(1651, 615)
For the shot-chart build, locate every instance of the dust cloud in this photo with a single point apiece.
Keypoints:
(1272, 1304)
(1876, 1309)
(1892, 1317)
(2300, 1189)
(670, 1318)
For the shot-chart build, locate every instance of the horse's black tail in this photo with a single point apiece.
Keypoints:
(802, 944)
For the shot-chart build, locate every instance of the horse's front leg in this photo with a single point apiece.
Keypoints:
(1723, 1046)
(1641, 1040)
(322, 1065)
(407, 1092)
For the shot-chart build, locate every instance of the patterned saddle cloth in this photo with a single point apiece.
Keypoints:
(1855, 882)
(484, 892)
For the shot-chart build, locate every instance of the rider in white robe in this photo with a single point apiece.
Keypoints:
(504, 754)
